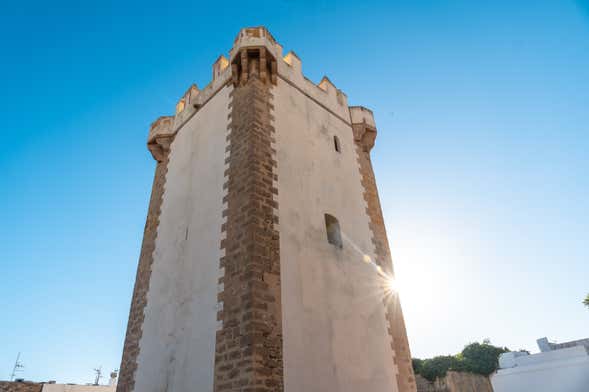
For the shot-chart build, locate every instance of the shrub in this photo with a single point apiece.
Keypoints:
(479, 358)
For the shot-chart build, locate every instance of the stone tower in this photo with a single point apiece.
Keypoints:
(265, 263)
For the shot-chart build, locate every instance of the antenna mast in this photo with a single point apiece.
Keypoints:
(18, 366)
(98, 372)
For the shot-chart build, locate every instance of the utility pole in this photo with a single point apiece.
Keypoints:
(18, 366)
(98, 372)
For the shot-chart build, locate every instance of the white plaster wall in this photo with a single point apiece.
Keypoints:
(564, 370)
(178, 342)
(334, 329)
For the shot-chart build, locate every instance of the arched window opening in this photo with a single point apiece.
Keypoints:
(336, 144)
(334, 235)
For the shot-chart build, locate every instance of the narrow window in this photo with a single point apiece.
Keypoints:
(334, 235)
(336, 144)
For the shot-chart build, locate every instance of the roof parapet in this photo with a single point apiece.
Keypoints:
(360, 114)
(255, 46)
(188, 98)
(326, 85)
(293, 61)
(219, 66)
(160, 127)
(325, 92)
(160, 135)
(363, 126)
(255, 37)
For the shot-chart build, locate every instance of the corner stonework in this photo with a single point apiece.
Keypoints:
(159, 140)
(248, 352)
(364, 130)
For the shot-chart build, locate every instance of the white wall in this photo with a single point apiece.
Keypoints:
(564, 370)
(180, 317)
(334, 329)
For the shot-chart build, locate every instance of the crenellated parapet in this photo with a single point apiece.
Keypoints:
(219, 66)
(363, 126)
(325, 93)
(185, 106)
(255, 51)
(255, 37)
(161, 134)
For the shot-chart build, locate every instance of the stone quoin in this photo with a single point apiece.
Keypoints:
(265, 264)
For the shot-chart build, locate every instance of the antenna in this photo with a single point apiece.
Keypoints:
(18, 367)
(98, 372)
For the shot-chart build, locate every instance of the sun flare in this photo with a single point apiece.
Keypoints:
(391, 284)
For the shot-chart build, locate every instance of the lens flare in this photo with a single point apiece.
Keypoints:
(392, 284)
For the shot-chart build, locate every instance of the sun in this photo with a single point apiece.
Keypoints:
(391, 284)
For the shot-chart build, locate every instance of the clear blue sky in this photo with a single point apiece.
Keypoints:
(481, 159)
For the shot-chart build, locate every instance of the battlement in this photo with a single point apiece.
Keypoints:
(363, 126)
(161, 127)
(255, 51)
(251, 37)
(161, 133)
(360, 114)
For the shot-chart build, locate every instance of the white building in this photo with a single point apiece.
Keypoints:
(560, 367)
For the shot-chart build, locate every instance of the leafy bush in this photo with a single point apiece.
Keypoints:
(417, 365)
(479, 358)
(438, 366)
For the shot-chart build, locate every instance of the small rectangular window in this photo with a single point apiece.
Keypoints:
(334, 235)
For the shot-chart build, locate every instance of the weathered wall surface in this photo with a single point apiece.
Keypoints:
(334, 327)
(10, 386)
(455, 382)
(467, 382)
(425, 385)
(180, 316)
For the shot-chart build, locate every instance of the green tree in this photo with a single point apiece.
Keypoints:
(479, 358)
(438, 366)
(586, 301)
(417, 365)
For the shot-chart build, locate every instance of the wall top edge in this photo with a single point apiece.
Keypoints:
(289, 68)
(360, 114)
